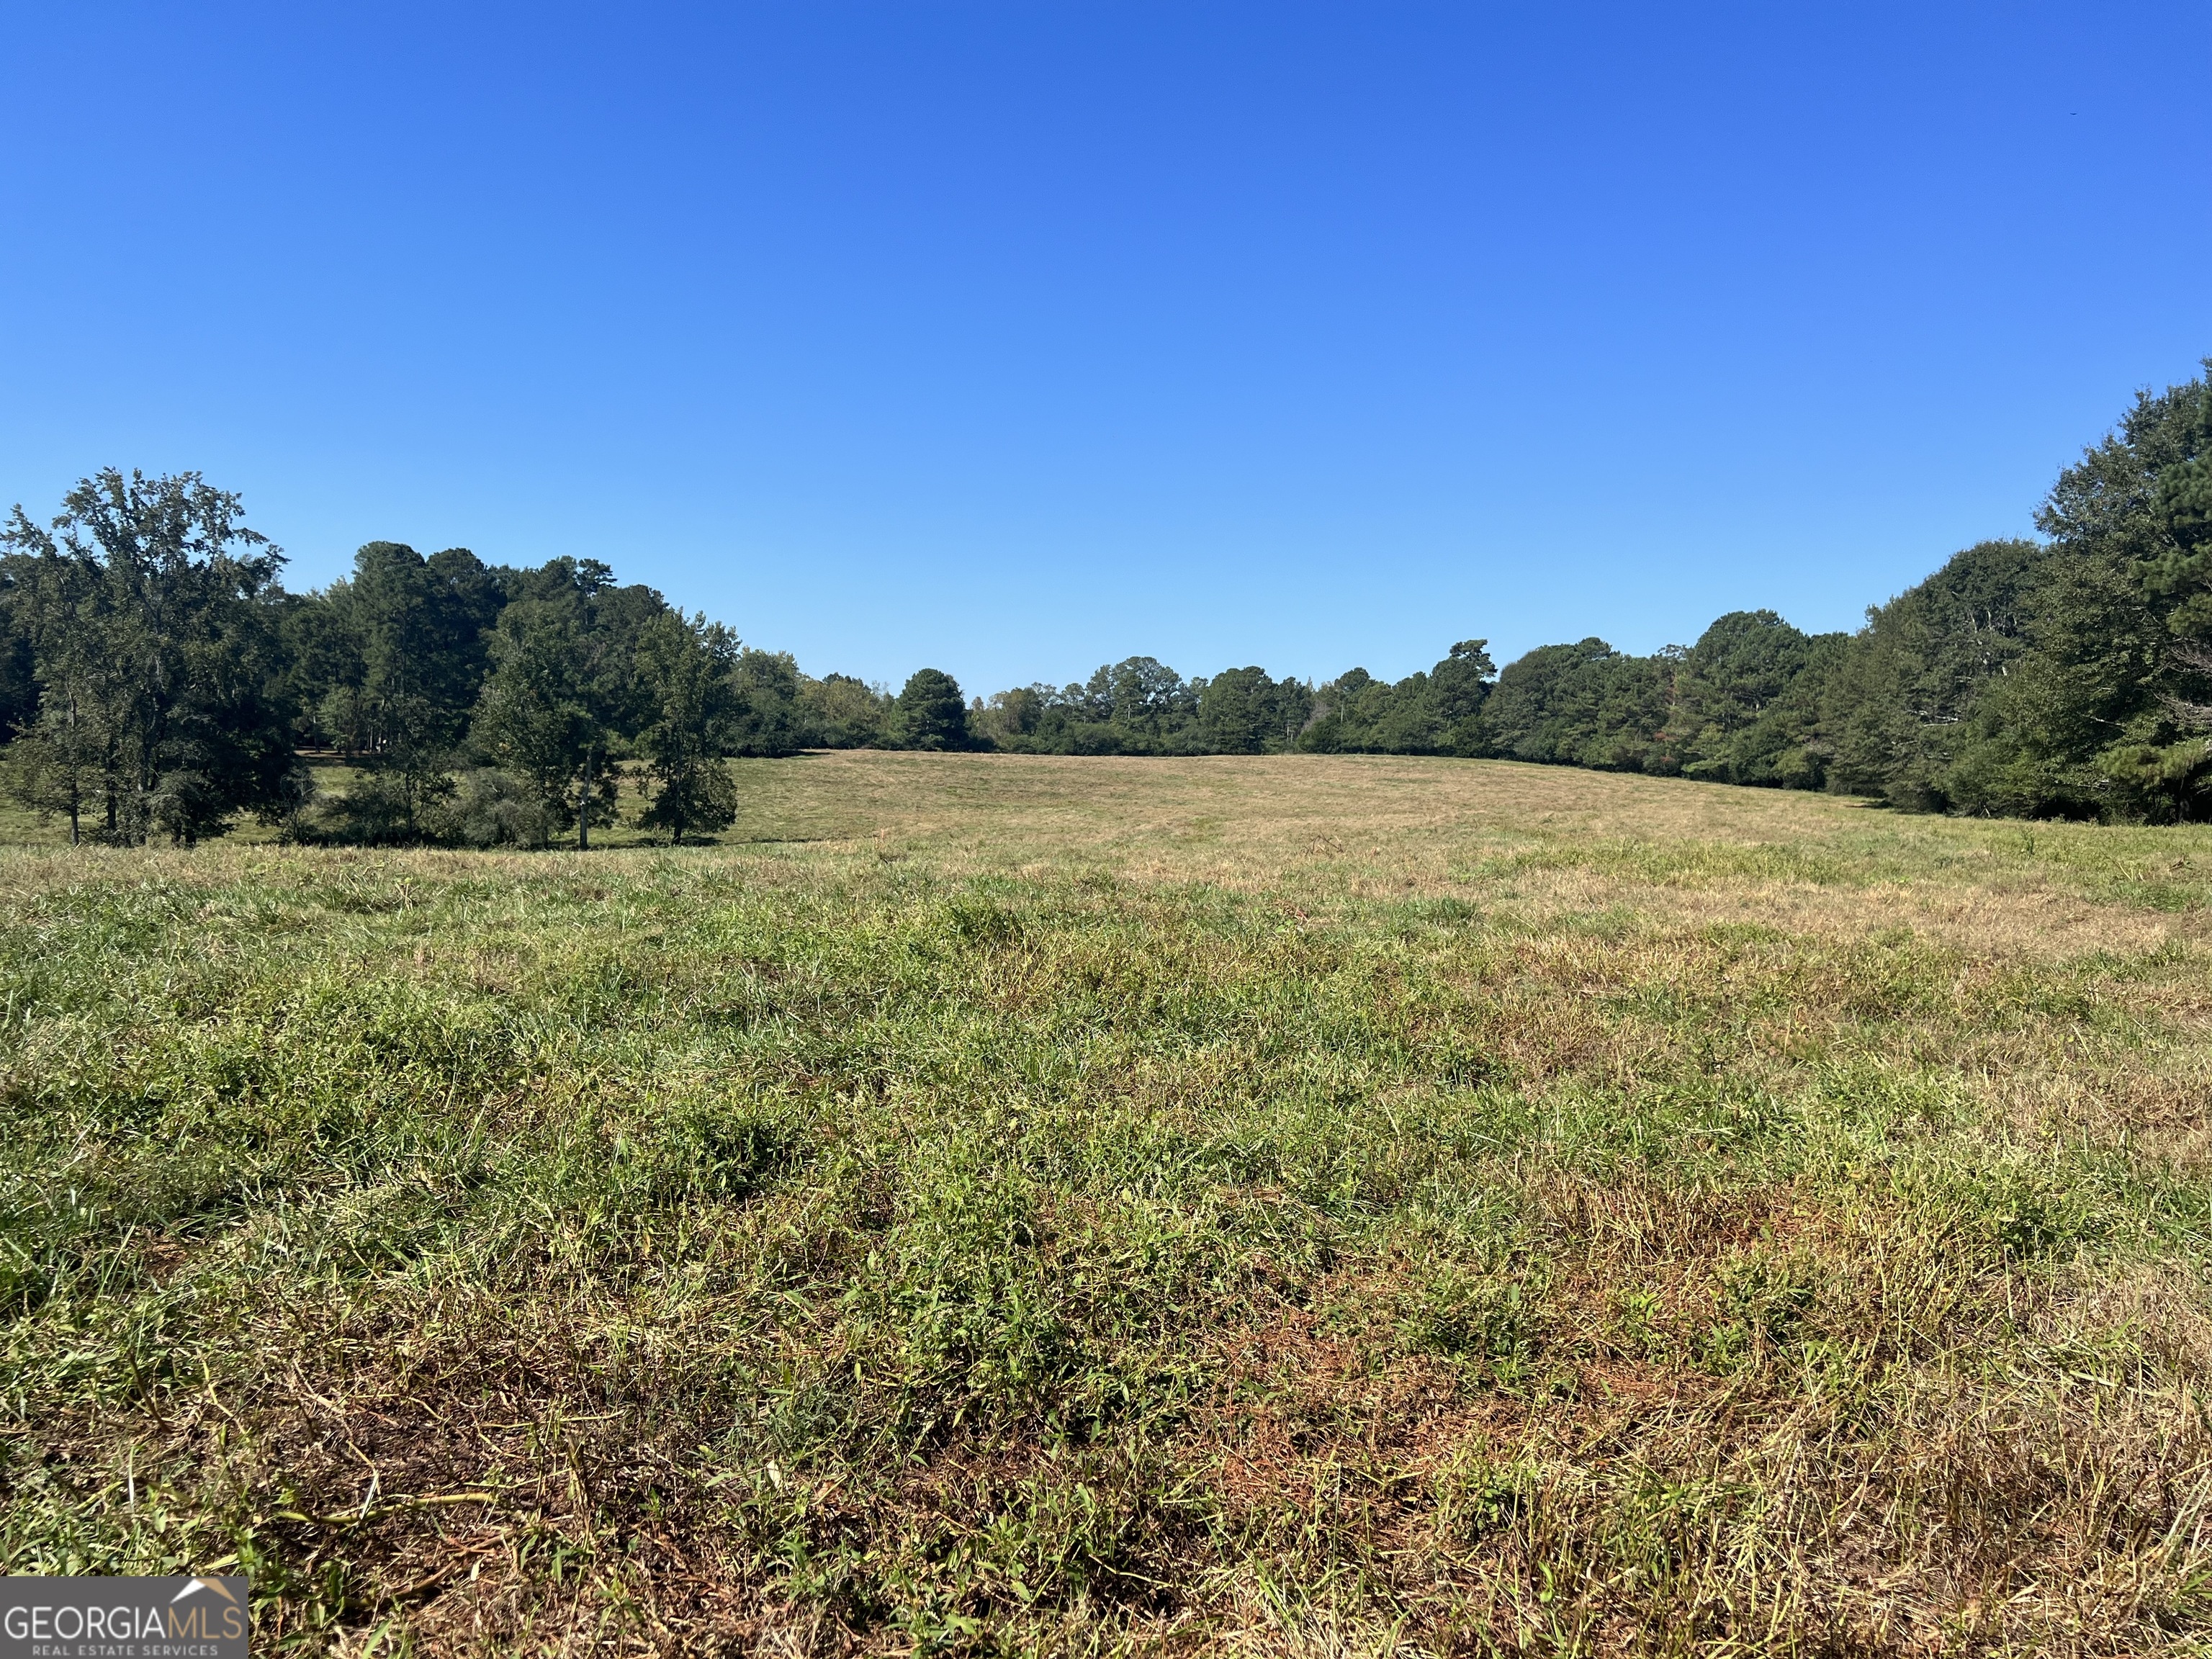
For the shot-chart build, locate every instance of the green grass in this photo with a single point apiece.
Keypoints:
(990, 1204)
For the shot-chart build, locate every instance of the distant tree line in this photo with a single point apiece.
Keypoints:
(2069, 676)
(157, 679)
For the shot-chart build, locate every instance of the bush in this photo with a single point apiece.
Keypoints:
(373, 812)
(490, 808)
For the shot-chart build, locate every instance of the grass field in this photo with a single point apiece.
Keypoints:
(1308, 1206)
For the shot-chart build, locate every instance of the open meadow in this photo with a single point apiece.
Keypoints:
(1306, 1205)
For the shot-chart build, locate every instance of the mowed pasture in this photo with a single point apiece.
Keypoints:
(1317, 1205)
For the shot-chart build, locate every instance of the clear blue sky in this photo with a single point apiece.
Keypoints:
(1012, 338)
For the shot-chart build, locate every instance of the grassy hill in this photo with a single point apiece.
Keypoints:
(1306, 1205)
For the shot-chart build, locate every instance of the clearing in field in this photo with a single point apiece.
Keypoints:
(1303, 1204)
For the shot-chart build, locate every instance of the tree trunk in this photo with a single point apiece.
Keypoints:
(584, 809)
(76, 770)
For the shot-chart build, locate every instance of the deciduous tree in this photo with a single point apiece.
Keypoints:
(686, 668)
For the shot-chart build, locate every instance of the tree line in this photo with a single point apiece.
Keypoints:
(2066, 676)
(157, 679)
